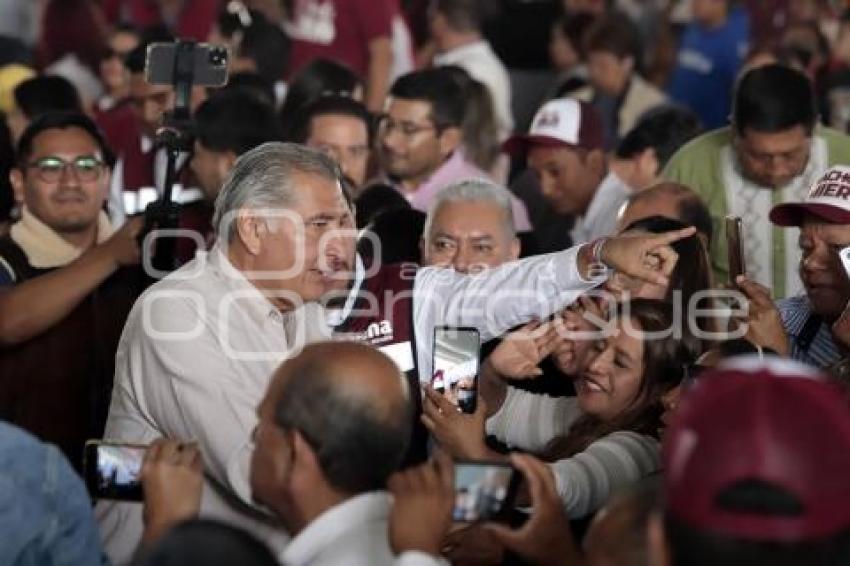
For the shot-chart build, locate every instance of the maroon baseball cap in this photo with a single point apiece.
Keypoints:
(773, 423)
(828, 199)
(563, 122)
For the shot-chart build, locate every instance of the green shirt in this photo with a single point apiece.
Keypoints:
(704, 165)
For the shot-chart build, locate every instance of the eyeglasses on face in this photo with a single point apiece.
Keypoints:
(408, 129)
(50, 169)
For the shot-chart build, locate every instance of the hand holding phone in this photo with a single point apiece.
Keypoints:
(113, 471)
(735, 248)
(484, 491)
(456, 365)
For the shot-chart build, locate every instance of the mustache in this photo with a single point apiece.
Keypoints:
(69, 193)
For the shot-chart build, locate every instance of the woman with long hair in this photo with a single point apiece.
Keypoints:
(691, 277)
(602, 439)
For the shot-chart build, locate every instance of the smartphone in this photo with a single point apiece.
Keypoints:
(484, 491)
(456, 363)
(112, 471)
(735, 248)
(844, 255)
(207, 63)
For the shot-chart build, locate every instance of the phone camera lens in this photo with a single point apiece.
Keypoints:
(218, 56)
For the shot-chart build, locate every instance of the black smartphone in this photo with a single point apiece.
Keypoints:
(112, 471)
(456, 363)
(735, 248)
(207, 63)
(484, 491)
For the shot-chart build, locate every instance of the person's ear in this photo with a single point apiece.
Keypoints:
(516, 248)
(595, 162)
(225, 164)
(658, 552)
(16, 178)
(648, 164)
(250, 228)
(304, 457)
(450, 139)
(628, 64)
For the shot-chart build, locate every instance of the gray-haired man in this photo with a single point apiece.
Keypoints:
(470, 227)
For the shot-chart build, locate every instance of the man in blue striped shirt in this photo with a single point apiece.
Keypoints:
(823, 219)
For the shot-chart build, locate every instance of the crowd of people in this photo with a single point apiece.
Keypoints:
(550, 180)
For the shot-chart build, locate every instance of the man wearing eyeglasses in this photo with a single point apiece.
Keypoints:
(419, 139)
(63, 294)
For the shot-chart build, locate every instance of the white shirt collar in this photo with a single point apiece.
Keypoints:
(351, 515)
(335, 317)
(459, 53)
(259, 304)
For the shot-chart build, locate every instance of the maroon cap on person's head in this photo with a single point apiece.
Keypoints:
(828, 200)
(563, 122)
(773, 423)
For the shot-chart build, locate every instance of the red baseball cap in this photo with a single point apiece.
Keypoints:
(563, 122)
(828, 199)
(774, 422)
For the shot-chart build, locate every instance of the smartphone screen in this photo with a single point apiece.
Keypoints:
(483, 490)
(113, 470)
(735, 248)
(844, 256)
(456, 352)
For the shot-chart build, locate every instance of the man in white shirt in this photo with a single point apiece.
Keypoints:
(455, 27)
(332, 428)
(200, 346)
(565, 149)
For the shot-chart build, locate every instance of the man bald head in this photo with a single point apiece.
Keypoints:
(671, 200)
(335, 421)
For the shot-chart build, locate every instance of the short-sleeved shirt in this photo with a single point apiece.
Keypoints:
(340, 30)
(809, 338)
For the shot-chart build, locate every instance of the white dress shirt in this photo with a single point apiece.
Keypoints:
(354, 533)
(196, 356)
(495, 300)
(481, 62)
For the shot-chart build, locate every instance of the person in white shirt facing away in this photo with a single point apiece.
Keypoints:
(455, 27)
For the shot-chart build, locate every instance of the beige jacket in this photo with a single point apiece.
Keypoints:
(641, 96)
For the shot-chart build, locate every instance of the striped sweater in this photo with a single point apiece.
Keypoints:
(528, 421)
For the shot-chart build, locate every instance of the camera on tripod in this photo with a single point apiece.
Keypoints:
(183, 65)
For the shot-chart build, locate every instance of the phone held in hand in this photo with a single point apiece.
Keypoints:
(844, 256)
(484, 491)
(735, 248)
(456, 365)
(112, 471)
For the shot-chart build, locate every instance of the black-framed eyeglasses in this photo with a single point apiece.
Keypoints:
(408, 129)
(50, 169)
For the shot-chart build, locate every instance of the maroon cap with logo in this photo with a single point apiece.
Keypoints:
(828, 199)
(563, 122)
(774, 423)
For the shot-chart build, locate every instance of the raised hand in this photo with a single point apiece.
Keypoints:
(520, 353)
(646, 256)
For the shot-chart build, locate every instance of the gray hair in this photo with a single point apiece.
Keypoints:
(262, 178)
(474, 190)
